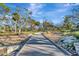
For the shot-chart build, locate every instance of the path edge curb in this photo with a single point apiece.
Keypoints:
(62, 49)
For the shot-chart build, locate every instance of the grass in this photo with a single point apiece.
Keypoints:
(76, 34)
(13, 33)
(66, 33)
(29, 32)
(7, 33)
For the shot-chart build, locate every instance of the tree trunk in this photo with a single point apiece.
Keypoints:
(4, 28)
(20, 30)
(15, 26)
(31, 27)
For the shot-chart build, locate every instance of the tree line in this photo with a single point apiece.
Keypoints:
(22, 23)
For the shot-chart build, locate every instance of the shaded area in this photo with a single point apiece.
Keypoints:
(40, 50)
(14, 53)
(37, 40)
(39, 46)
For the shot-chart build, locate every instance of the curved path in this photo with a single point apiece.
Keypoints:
(38, 45)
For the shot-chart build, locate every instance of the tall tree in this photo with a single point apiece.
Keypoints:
(75, 16)
(47, 25)
(16, 18)
(28, 14)
(4, 10)
(68, 25)
(18, 10)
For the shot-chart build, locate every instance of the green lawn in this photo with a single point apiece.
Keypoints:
(75, 33)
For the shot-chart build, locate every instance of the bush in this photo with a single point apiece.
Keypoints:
(76, 34)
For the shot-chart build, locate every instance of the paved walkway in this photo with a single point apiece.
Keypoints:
(39, 46)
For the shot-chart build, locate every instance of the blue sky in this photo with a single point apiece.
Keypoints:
(54, 12)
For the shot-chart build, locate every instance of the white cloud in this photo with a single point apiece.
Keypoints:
(67, 4)
(56, 12)
(61, 10)
(35, 8)
(70, 4)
